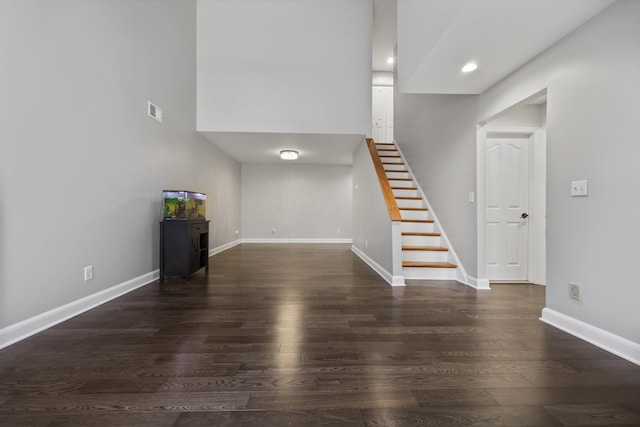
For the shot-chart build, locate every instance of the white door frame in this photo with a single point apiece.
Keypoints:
(537, 206)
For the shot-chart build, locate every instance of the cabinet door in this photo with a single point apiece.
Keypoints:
(175, 248)
(198, 245)
(194, 250)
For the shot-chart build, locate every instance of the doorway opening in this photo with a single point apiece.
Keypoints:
(512, 194)
(382, 113)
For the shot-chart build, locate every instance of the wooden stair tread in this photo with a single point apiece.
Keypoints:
(385, 143)
(417, 233)
(400, 179)
(424, 221)
(425, 248)
(392, 163)
(421, 264)
(414, 209)
(408, 198)
(387, 149)
(404, 188)
(398, 171)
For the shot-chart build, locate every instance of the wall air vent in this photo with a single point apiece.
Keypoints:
(154, 111)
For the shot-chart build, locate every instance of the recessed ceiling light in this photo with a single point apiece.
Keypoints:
(469, 67)
(288, 154)
(391, 60)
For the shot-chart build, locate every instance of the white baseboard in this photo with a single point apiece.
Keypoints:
(26, 328)
(612, 343)
(388, 277)
(224, 247)
(285, 240)
(480, 284)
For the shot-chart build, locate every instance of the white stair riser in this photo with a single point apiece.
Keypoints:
(391, 159)
(419, 227)
(414, 214)
(425, 256)
(421, 241)
(392, 175)
(397, 183)
(402, 203)
(405, 193)
(429, 273)
(393, 167)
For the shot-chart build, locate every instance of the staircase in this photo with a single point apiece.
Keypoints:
(424, 255)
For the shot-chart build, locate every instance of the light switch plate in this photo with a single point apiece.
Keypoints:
(579, 188)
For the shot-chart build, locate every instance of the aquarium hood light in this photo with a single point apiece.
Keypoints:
(288, 154)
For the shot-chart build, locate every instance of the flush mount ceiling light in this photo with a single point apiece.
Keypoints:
(469, 67)
(288, 154)
(391, 60)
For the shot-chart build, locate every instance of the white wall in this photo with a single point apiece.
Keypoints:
(371, 222)
(593, 86)
(437, 134)
(301, 201)
(285, 66)
(81, 165)
(522, 116)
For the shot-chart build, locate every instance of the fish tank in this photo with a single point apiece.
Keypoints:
(183, 205)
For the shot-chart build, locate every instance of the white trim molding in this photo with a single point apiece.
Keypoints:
(382, 272)
(285, 240)
(224, 247)
(612, 343)
(537, 265)
(28, 327)
(237, 242)
(474, 282)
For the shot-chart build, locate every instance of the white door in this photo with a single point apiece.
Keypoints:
(507, 208)
(382, 114)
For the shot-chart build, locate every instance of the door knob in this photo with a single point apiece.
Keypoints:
(524, 215)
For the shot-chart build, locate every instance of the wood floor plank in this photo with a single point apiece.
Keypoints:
(118, 402)
(519, 416)
(322, 418)
(592, 415)
(565, 395)
(308, 334)
(454, 397)
(128, 419)
(328, 400)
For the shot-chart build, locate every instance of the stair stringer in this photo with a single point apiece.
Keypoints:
(461, 274)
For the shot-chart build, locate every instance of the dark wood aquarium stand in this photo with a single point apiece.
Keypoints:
(184, 247)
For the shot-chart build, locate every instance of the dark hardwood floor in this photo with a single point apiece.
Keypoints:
(308, 335)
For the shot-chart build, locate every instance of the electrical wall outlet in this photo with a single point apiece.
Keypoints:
(154, 111)
(273, 231)
(580, 188)
(574, 291)
(88, 272)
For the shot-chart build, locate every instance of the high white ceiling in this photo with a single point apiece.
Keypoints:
(437, 37)
(265, 147)
(434, 38)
